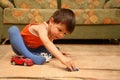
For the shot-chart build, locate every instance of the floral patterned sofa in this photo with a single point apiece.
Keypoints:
(95, 19)
(22, 12)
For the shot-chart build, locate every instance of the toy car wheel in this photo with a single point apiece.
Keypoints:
(24, 64)
(13, 63)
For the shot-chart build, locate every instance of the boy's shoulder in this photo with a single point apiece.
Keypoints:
(38, 27)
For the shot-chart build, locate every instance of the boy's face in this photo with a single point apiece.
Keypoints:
(57, 31)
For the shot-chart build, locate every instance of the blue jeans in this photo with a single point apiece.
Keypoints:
(20, 48)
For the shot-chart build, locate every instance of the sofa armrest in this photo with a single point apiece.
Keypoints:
(6, 4)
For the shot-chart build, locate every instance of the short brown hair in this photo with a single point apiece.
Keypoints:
(66, 17)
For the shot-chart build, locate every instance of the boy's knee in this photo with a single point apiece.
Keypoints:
(13, 29)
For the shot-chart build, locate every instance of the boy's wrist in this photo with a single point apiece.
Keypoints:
(61, 58)
(64, 59)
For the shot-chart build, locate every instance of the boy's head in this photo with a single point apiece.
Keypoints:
(66, 17)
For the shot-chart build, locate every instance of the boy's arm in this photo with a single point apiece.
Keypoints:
(43, 34)
(53, 50)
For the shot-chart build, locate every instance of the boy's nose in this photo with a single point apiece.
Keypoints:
(61, 35)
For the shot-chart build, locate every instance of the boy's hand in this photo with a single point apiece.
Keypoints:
(69, 63)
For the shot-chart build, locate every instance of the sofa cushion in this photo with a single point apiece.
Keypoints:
(25, 16)
(112, 4)
(97, 16)
(83, 16)
(82, 4)
(6, 4)
(38, 4)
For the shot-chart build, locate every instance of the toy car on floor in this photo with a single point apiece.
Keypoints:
(67, 69)
(21, 60)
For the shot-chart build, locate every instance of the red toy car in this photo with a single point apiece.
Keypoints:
(21, 60)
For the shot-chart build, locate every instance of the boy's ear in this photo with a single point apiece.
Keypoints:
(51, 20)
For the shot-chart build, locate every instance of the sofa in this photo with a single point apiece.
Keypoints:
(95, 19)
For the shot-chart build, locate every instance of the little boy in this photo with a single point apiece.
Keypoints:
(36, 39)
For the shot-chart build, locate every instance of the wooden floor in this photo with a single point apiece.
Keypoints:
(95, 62)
